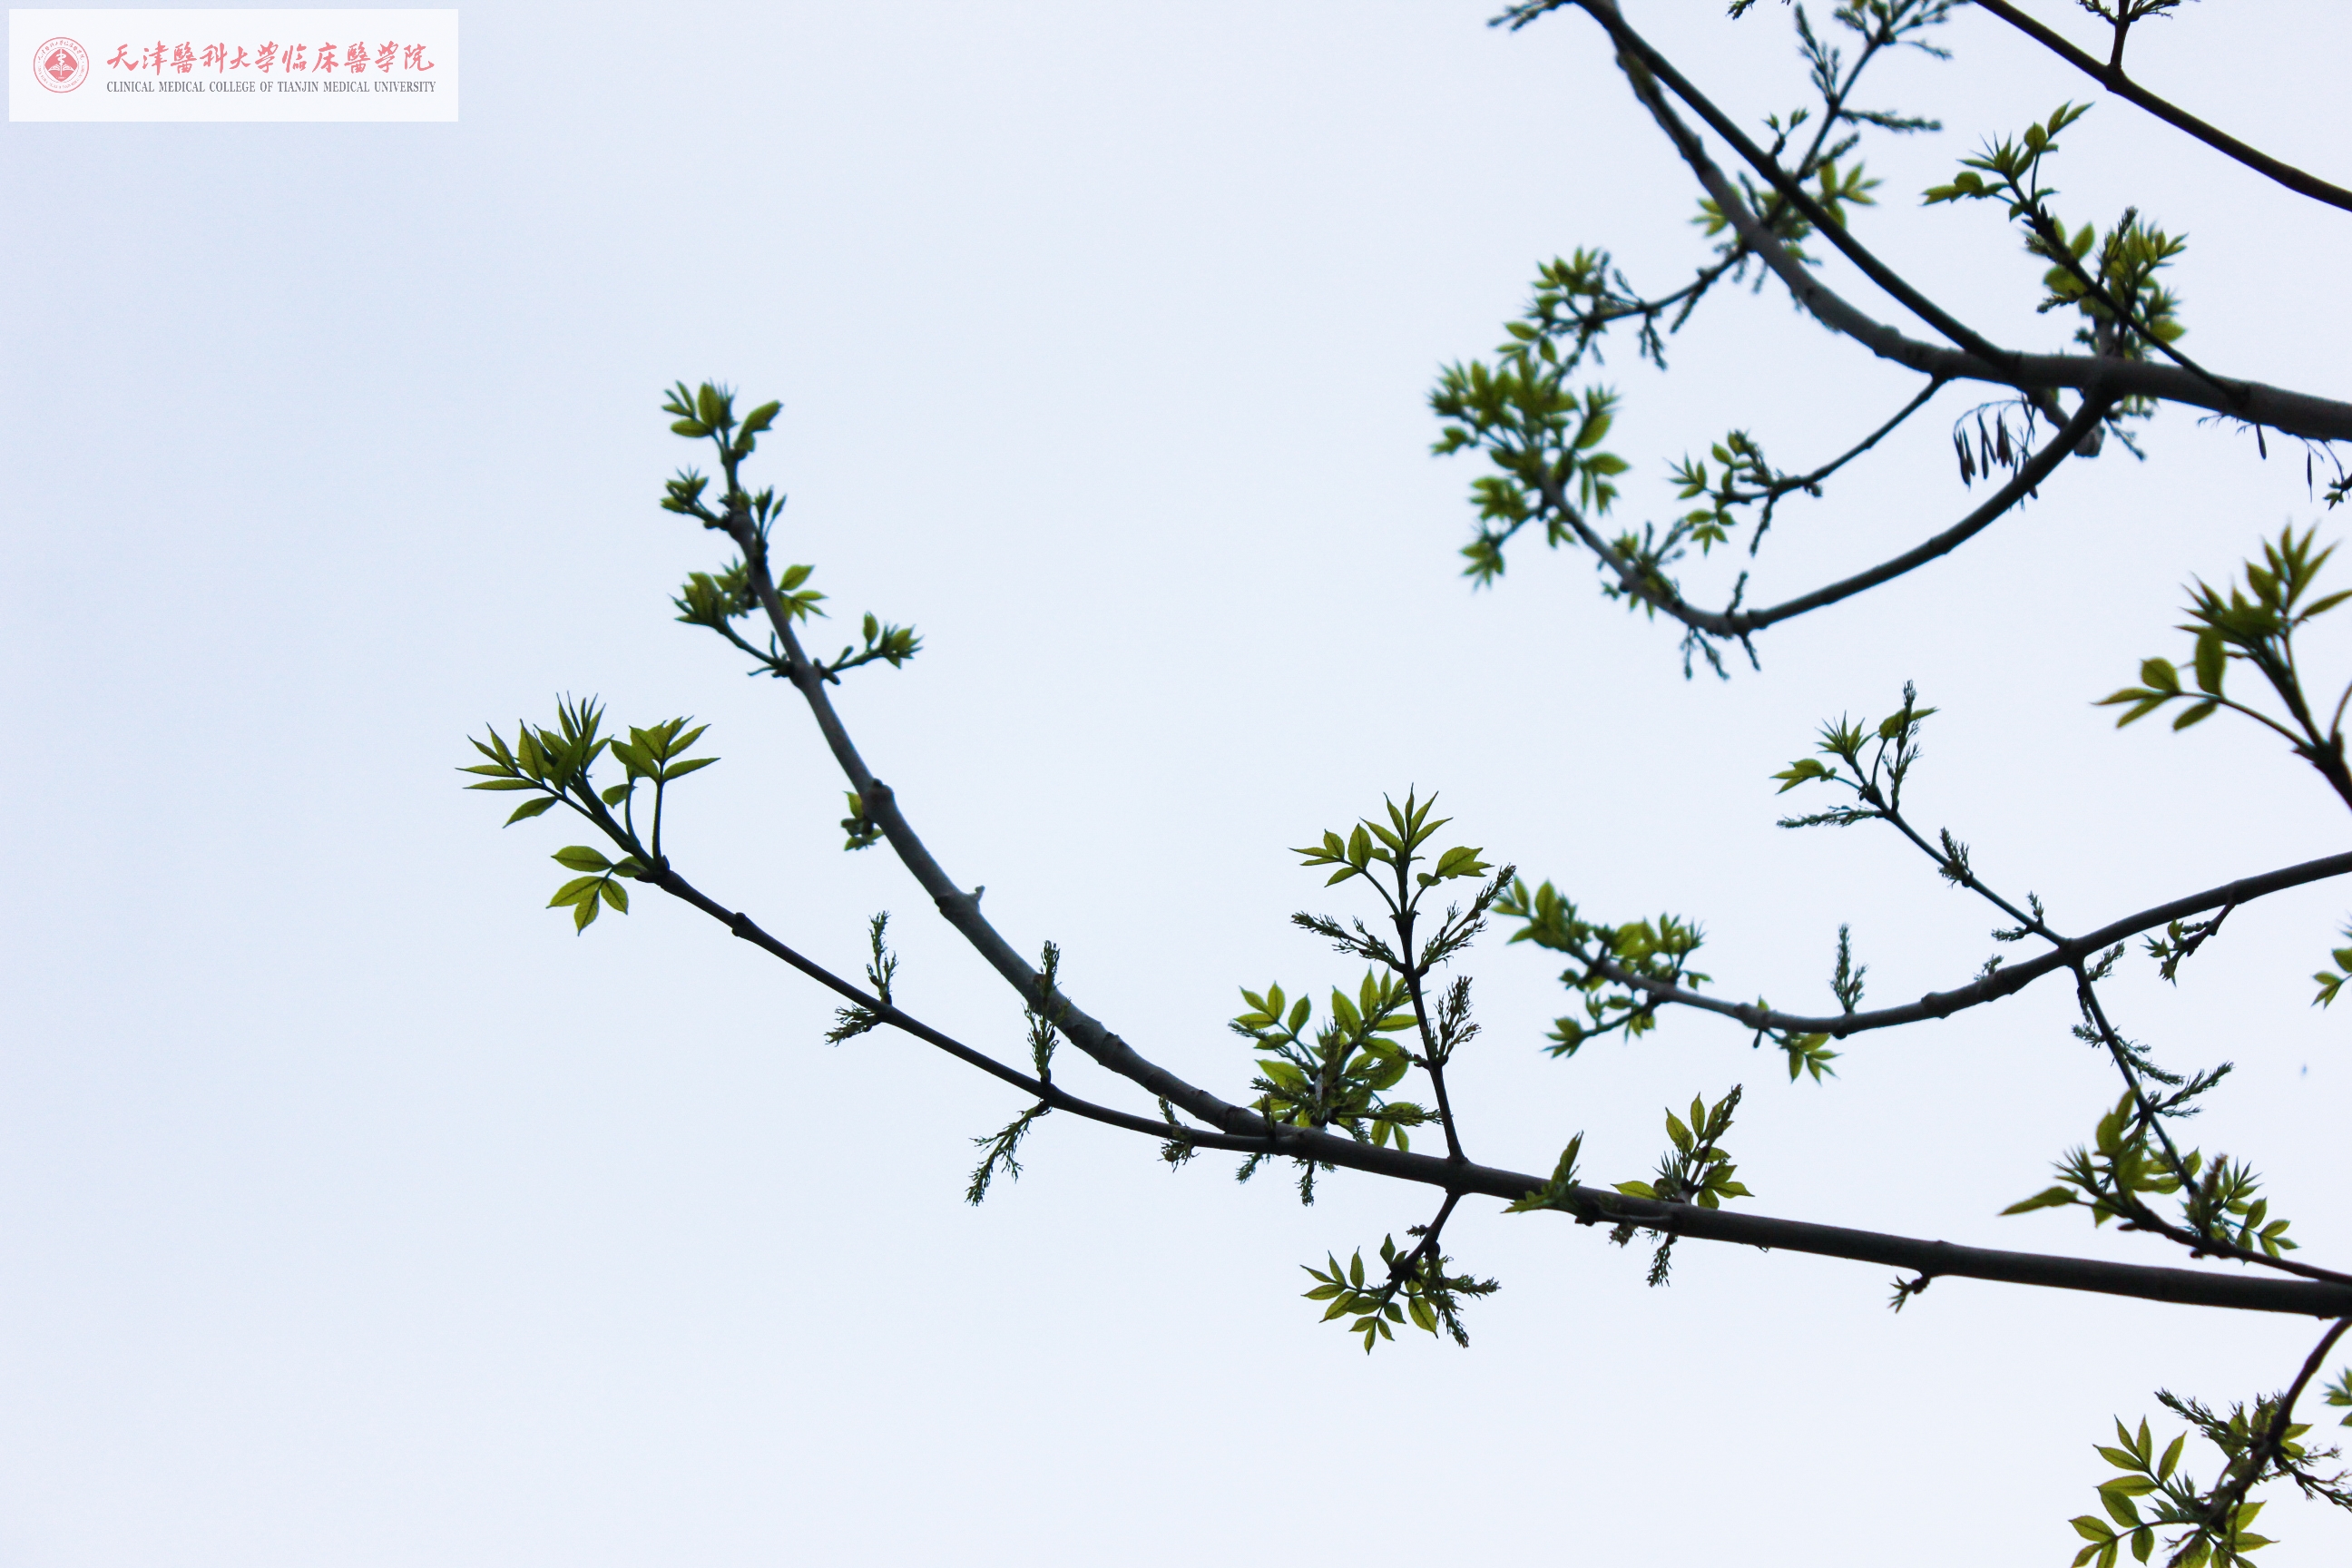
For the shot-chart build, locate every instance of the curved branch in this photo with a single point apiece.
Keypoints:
(1731, 623)
(2002, 982)
(2294, 413)
(742, 926)
(1239, 1128)
(1595, 1205)
(960, 908)
(1633, 48)
(1789, 484)
(2112, 78)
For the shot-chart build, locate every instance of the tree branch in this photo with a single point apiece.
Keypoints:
(1732, 623)
(2294, 413)
(1236, 1128)
(2003, 981)
(1633, 48)
(960, 908)
(742, 926)
(2112, 78)
(1596, 1205)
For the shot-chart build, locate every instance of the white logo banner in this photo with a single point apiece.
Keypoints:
(233, 65)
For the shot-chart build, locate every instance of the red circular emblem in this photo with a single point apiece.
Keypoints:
(61, 65)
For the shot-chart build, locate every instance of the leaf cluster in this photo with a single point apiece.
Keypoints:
(2332, 980)
(2150, 1493)
(1657, 950)
(707, 411)
(863, 831)
(1417, 1289)
(1742, 477)
(2180, 940)
(2339, 1393)
(1893, 749)
(555, 764)
(714, 600)
(1694, 1170)
(1395, 844)
(1338, 1077)
(2010, 170)
(2109, 280)
(1542, 438)
(1559, 1192)
(2255, 623)
(2125, 1162)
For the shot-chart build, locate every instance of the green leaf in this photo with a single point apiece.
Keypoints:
(1459, 862)
(2048, 1197)
(1283, 1074)
(529, 808)
(1343, 1013)
(615, 894)
(2209, 661)
(2203, 710)
(578, 890)
(1636, 1189)
(580, 858)
(1801, 770)
(677, 770)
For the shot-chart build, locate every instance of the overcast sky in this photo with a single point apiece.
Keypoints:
(357, 1212)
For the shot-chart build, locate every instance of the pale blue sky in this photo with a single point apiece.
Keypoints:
(358, 1213)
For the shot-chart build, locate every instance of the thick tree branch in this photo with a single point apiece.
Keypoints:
(1635, 53)
(2295, 413)
(2113, 78)
(1239, 1128)
(962, 909)
(2003, 981)
(1593, 1204)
